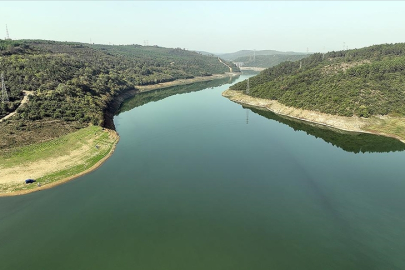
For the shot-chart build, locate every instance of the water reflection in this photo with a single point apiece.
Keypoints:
(159, 94)
(348, 141)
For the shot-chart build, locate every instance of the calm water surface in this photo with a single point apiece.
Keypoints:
(199, 182)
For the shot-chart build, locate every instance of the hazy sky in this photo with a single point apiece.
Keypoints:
(210, 26)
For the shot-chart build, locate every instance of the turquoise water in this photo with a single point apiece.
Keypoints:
(192, 185)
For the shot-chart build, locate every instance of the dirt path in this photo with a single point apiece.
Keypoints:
(230, 69)
(25, 100)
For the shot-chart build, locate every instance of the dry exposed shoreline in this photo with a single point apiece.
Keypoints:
(109, 117)
(352, 124)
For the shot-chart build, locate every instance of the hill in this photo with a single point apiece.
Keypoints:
(248, 53)
(360, 82)
(266, 61)
(72, 84)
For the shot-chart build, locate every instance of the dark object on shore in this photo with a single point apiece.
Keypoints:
(29, 181)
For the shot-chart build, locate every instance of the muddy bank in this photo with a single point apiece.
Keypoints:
(114, 106)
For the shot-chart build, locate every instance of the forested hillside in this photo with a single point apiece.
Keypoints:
(75, 82)
(362, 82)
(266, 61)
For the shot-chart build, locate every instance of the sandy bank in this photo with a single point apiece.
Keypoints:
(379, 125)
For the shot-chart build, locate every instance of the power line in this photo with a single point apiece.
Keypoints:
(7, 35)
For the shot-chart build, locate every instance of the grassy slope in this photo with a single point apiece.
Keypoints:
(50, 151)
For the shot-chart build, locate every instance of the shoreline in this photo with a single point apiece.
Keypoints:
(350, 124)
(55, 183)
(108, 118)
(114, 106)
(67, 179)
(146, 88)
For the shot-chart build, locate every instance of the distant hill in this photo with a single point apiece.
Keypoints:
(248, 53)
(362, 82)
(266, 61)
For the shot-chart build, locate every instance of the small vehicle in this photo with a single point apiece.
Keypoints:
(29, 181)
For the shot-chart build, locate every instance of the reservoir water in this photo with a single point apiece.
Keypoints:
(200, 182)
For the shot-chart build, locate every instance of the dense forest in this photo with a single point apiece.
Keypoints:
(361, 82)
(76, 81)
(266, 61)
